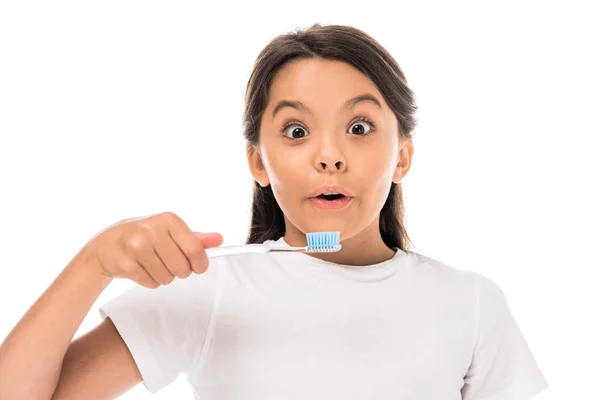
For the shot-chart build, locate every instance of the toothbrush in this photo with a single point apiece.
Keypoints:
(317, 242)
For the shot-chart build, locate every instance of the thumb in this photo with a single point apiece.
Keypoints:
(209, 239)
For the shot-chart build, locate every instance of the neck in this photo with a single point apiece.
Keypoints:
(362, 249)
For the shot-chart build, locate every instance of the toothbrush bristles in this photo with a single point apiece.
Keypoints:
(323, 242)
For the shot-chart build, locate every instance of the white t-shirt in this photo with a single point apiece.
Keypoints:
(291, 326)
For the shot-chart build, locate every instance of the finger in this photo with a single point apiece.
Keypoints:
(173, 259)
(210, 239)
(190, 246)
(143, 278)
(127, 267)
(154, 265)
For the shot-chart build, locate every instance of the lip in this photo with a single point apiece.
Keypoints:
(337, 204)
(330, 188)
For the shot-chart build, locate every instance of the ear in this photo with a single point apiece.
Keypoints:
(257, 167)
(405, 154)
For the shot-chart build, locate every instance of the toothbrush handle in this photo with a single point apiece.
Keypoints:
(227, 250)
(248, 248)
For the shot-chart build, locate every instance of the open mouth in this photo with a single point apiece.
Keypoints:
(330, 201)
(330, 196)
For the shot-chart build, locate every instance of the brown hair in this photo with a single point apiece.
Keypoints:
(329, 42)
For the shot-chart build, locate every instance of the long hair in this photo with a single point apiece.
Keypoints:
(338, 43)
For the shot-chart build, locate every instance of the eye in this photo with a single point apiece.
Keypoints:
(357, 127)
(297, 133)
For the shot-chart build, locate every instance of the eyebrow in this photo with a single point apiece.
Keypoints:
(346, 106)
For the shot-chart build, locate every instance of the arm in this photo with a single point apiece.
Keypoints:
(32, 355)
(98, 365)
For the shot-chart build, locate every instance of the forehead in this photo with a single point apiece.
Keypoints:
(315, 79)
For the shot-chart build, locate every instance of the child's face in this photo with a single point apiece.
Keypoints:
(331, 146)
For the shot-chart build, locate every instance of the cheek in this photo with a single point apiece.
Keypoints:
(287, 175)
(376, 171)
(379, 184)
(285, 168)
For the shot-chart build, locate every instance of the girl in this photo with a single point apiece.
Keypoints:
(328, 125)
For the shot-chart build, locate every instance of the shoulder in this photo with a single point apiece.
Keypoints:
(441, 273)
(430, 267)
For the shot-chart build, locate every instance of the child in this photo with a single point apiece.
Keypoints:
(328, 125)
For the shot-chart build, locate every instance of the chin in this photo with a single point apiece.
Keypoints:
(328, 226)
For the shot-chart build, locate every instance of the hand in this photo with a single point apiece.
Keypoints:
(151, 251)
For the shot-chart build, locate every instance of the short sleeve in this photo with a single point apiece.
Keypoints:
(503, 366)
(165, 328)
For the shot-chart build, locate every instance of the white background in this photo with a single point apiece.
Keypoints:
(117, 109)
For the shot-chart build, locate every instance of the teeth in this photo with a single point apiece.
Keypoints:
(329, 193)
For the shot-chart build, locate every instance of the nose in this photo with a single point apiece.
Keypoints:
(325, 165)
(330, 157)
